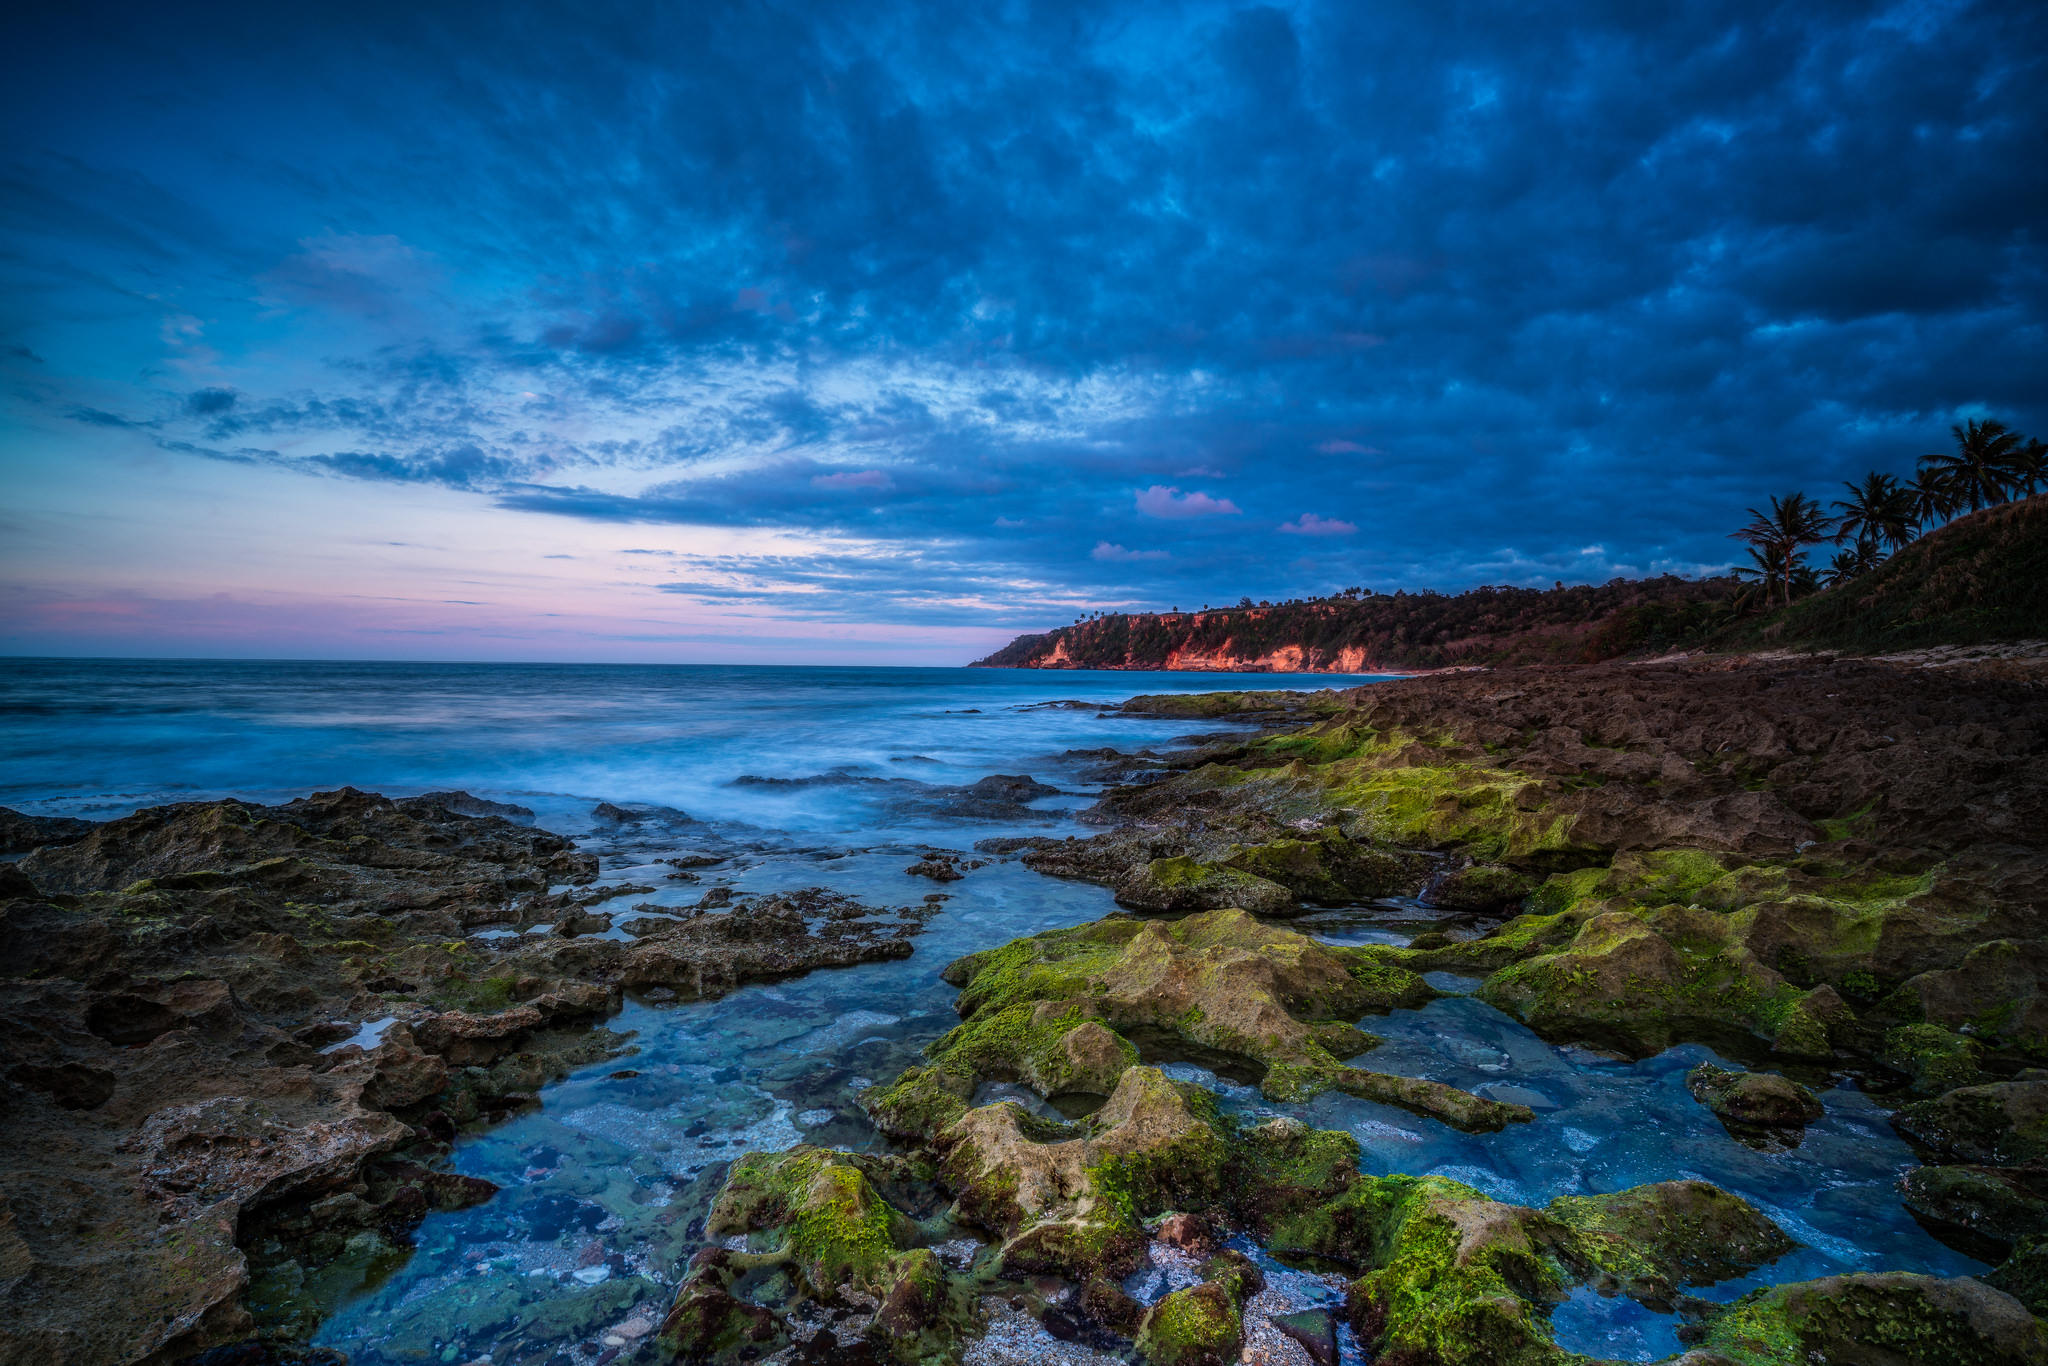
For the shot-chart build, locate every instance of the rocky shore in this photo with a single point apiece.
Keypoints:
(239, 1040)
(233, 1033)
(1829, 868)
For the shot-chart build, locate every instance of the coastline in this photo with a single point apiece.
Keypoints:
(1549, 826)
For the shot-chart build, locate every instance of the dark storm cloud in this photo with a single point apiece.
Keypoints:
(1492, 284)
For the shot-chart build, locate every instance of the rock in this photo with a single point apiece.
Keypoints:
(1182, 884)
(842, 1236)
(1464, 1279)
(74, 1086)
(1315, 1330)
(1752, 1100)
(238, 1152)
(2024, 1275)
(936, 867)
(1326, 868)
(2001, 1124)
(1998, 1205)
(1011, 787)
(463, 804)
(467, 1040)
(149, 1011)
(1936, 1059)
(1238, 1274)
(1198, 1326)
(707, 1321)
(20, 833)
(1220, 980)
(1652, 1240)
(1188, 1232)
(1881, 1318)
(1482, 888)
(402, 1073)
(1106, 1302)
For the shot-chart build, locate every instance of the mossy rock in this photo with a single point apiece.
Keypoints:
(2001, 1124)
(1650, 1241)
(1936, 1059)
(1179, 884)
(1042, 1012)
(1753, 1099)
(1483, 888)
(707, 1322)
(823, 1215)
(1881, 1318)
(1457, 1279)
(2006, 1206)
(1198, 1326)
(2024, 1275)
(1327, 868)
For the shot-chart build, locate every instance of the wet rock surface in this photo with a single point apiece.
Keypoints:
(236, 1040)
(1754, 1104)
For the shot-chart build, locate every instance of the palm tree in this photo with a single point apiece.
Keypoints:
(1933, 501)
(1980, 471)
(1778, 539)
(2030, 468)
(1760, 581)
(1879, 511)
(1852, 563)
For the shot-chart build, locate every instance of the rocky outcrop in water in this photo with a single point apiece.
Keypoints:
(1440, 1272)
(234, 1038)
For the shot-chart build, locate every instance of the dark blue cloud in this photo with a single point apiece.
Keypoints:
(1492, 284)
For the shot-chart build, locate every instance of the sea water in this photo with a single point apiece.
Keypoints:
(837, 778)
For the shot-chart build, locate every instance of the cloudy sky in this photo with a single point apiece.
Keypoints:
(877, 332)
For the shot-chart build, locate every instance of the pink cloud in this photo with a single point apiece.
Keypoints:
(1346, 448)
(1308, 524)
(854, 479)
(1104, 550)
(1161, 501)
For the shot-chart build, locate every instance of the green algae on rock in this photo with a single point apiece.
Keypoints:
(1201, 1325)
(2004, 1123)
(1881, 1317)
(1218, 981)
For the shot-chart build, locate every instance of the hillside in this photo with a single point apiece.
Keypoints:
(1401, 631)
(1980, 579)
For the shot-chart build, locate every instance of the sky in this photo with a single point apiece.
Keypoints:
(879, 333)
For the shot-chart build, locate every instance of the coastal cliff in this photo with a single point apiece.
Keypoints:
(1981, 579)
(1360, 632)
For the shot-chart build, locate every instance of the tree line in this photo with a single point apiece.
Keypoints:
(1990, 464)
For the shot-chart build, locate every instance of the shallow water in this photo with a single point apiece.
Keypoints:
(606, 1183)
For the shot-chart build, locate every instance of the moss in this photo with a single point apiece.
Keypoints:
(825, 1216)
(1386, 983)
(1655, 1239)
(1456, 1279)
(1197, 1326)
(2024, 1275)
(1220, 980)
(483, 996)
(1561, 892)
(920, 1104)
(1888, 1316)
(1937, 1059)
